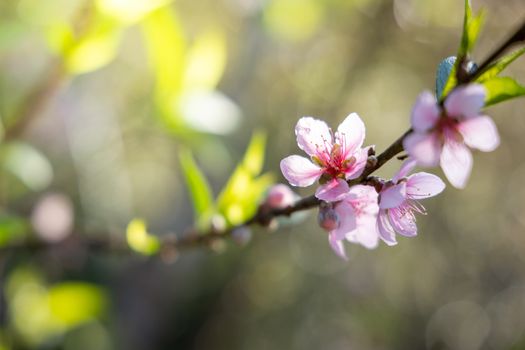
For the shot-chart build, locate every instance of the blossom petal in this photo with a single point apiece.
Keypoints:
(347, 217)
(465, 101)
(350, 134)
(313, 136)
(425, 113)
(425, 148)
(366, 232)
(386, 231)
(405, 169)
(333, 191)
(393, 196)
(403, 221)
(337, 246)
(300, 171)
(361, 157)
(456, 162)
(480, 133)
(423, 185)
(364, 198)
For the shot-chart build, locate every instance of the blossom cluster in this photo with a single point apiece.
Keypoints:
(376, 209)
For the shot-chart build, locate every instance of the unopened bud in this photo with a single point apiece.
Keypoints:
(242, 235)
(328, 218)
(280, 196)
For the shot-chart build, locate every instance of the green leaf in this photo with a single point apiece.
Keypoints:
(471, 28)
(166, 48)
(198, 186)
(500, 89)
(253, 159)
(206, 61)
(240, 197)
(12, 228)
(497, 67)
(92, 49)
(140, 240)
(96, 48)
(74, 303)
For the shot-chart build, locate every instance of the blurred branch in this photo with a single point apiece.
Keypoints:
(33, 105)
(36, 101)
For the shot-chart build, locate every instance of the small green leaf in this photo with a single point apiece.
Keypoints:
(471, 28)
(444, 71)
(497, 67)
(253, 159)
(500, 89)
(198, 186)
(97, 49)
(140, 240)
(94, 48)
(240, 197)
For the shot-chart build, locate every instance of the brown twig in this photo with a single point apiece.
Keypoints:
(35, 102)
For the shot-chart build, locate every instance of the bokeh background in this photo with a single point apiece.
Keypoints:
(97, 99)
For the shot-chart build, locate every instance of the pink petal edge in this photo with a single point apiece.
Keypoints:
(300, 171)
(425, 113)
(480, 133)
(313, 136)
(423, 185)
(466, 101)
(424, 148)
(456, 162)
(333, 191)
(393, 196)
(350, 134)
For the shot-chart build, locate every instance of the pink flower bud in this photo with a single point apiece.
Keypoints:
(328, 217)
(280, 196)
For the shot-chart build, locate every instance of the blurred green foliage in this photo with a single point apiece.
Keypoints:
(12, 229)
(39, 311)
(241, 195)
(139, 239)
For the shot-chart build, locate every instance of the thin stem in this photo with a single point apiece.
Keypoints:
(517, 37)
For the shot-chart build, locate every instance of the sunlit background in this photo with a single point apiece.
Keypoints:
(104, 103)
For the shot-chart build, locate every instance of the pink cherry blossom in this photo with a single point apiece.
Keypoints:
(443, 135)
(334, 158)
(356, 216)
(398, 201)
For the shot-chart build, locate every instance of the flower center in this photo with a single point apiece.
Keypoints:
(447, 127)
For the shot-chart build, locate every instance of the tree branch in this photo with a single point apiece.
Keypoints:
(170, 244)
